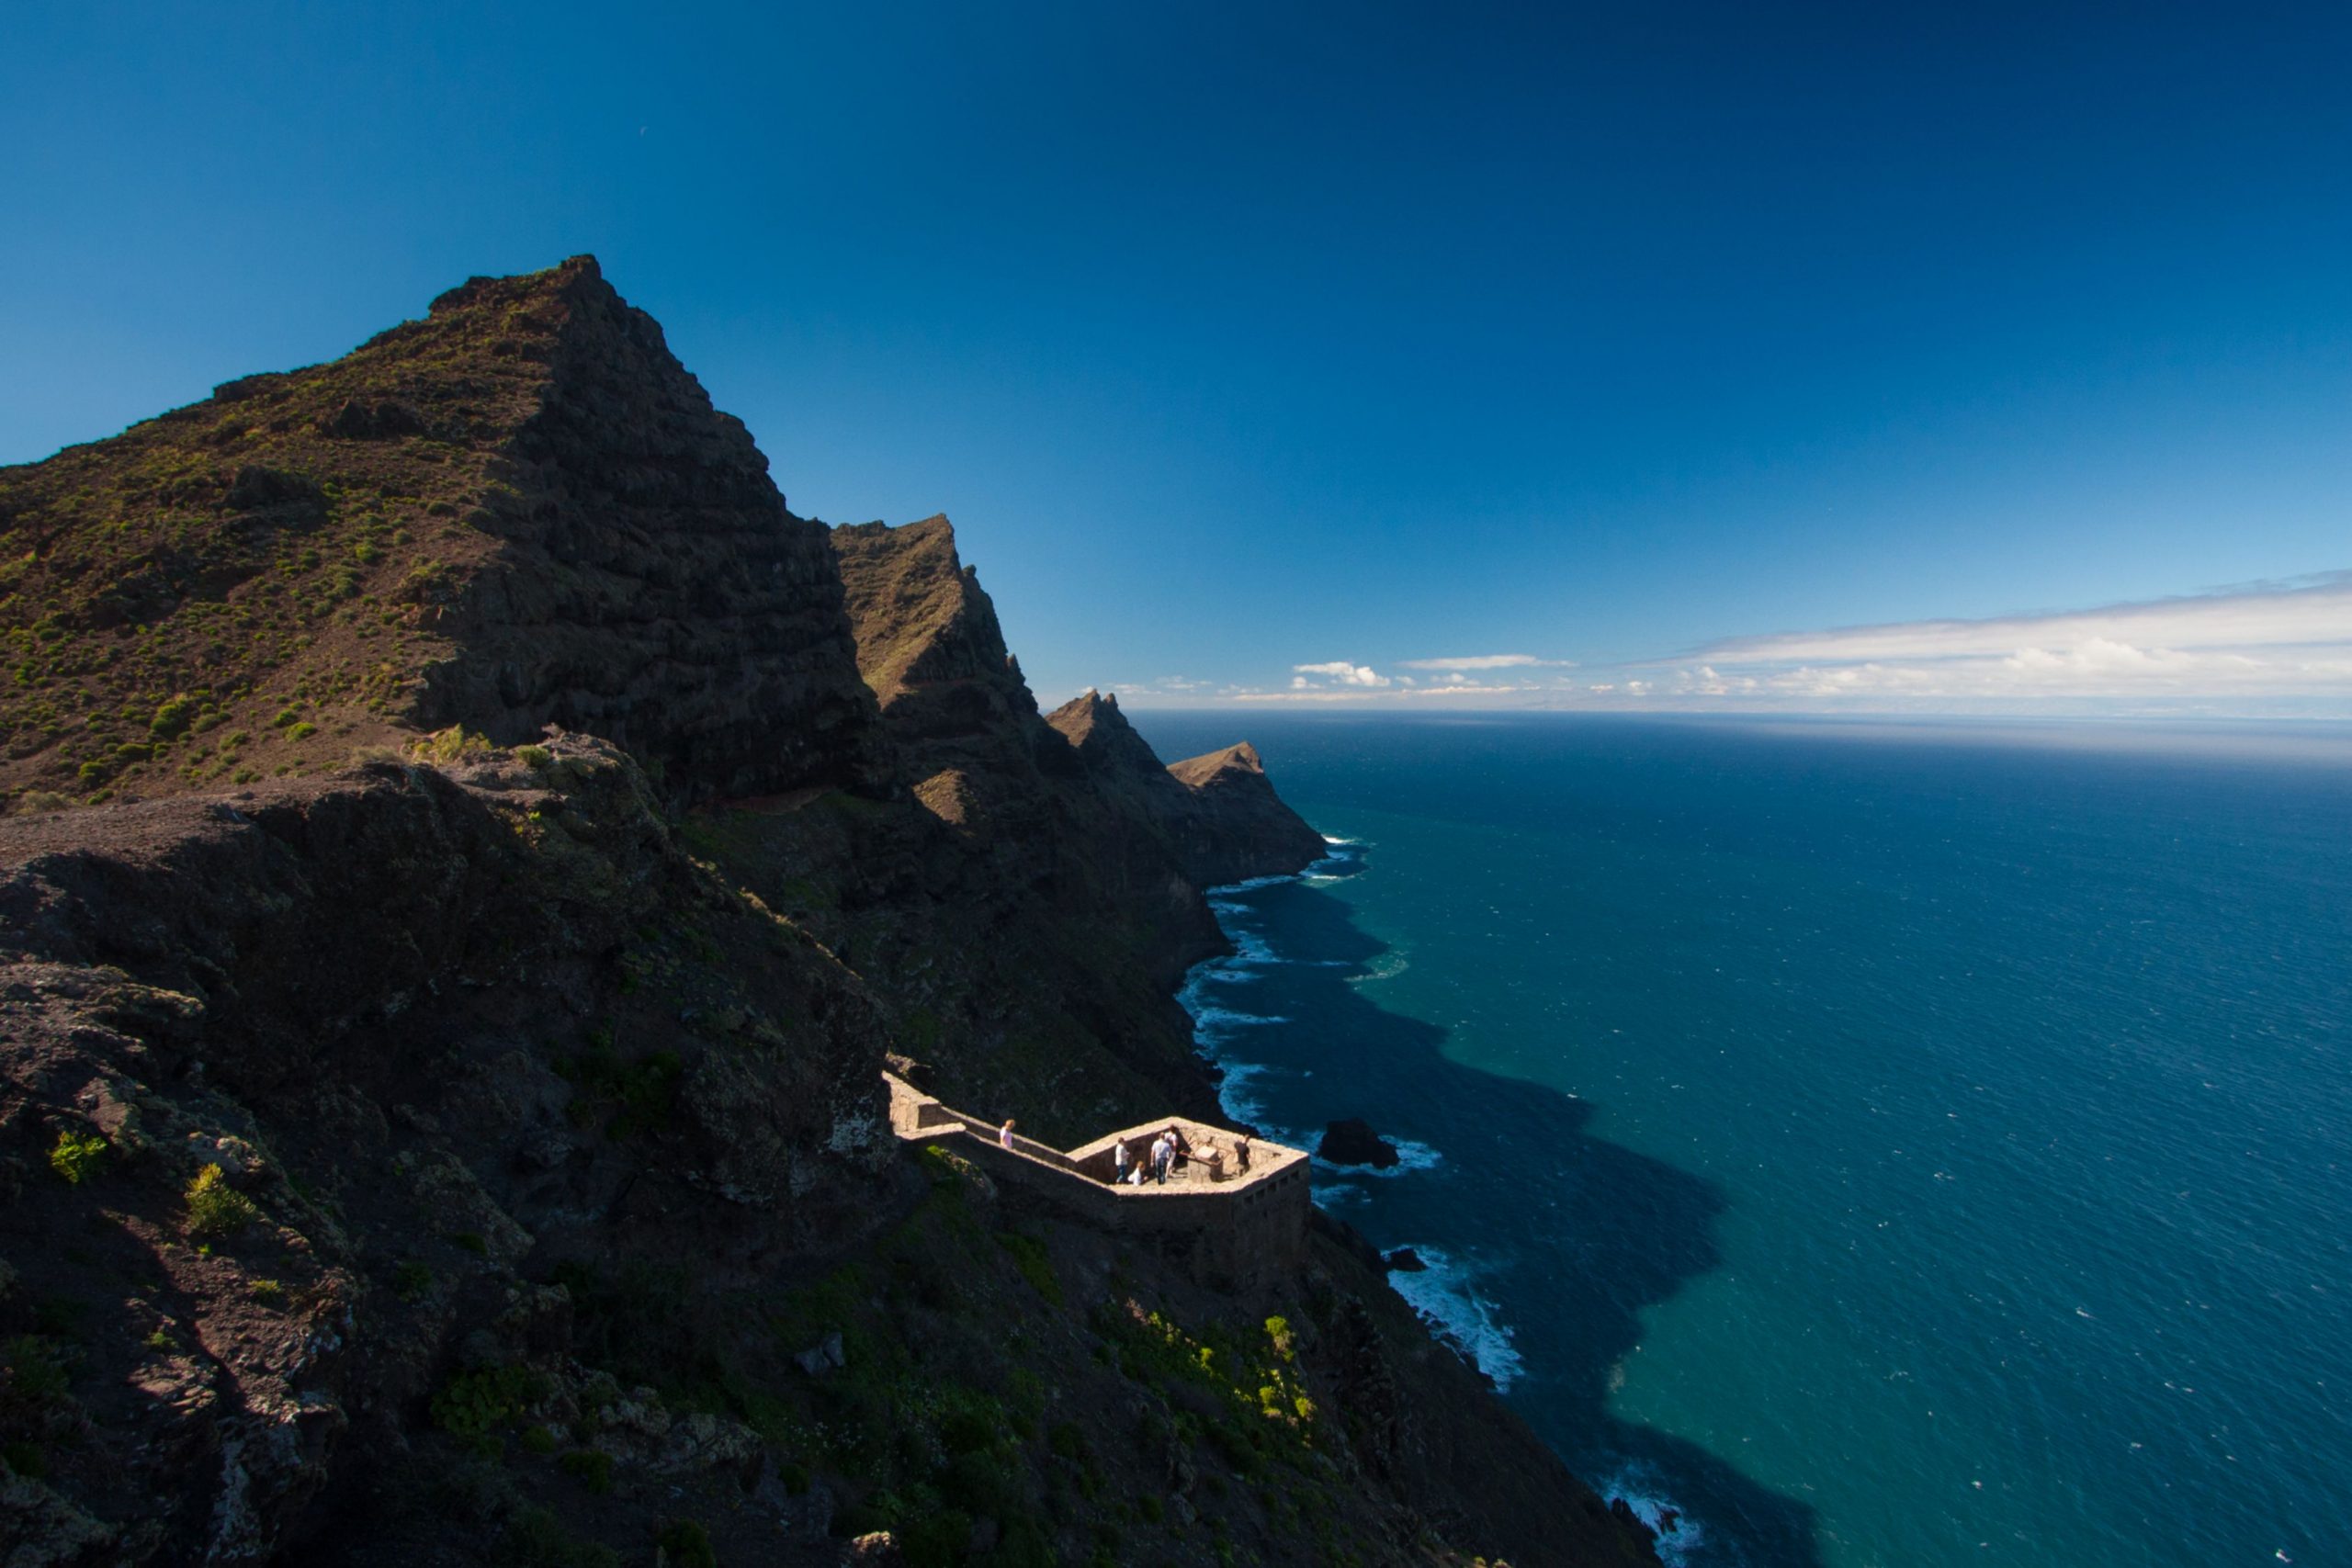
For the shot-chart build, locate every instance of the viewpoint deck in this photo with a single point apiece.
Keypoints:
(1247, 1229)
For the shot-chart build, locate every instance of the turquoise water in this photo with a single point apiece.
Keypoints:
(1887, 1147)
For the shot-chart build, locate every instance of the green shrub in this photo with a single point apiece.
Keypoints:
(1029, 1256)
(411, 1281)
(473, 1405)
(535, 758)
(538, 1440)
(454, 744)
(77, 1156)
(302, 731)
(269, 1293)
(172, 718)
(685, 1544)
(26, 1459)
(937, 1540)
(535, 1538)
(34, 1373)
(592, 1467)
(285, 716)
(215, 1208)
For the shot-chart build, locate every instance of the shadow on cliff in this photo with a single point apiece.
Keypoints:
(1568, 1236)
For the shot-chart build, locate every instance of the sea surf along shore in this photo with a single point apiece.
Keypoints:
(1916, 1148)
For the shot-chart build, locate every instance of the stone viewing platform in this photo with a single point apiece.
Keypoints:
(1234, 1229)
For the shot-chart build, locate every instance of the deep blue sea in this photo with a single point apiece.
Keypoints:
(1891, 1146)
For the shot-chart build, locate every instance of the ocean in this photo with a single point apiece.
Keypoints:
(1883, 1146)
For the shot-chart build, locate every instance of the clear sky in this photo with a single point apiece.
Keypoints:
(1272, 353)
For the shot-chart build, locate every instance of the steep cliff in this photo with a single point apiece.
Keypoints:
(345, 1074)
(1217, 815)
(472, 853)
(518, 511)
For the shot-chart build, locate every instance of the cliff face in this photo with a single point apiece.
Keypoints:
(439, 1113)
(516, 512)
(1217, 814)
(437, 1036)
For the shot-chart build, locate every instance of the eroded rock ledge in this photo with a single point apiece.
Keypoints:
(473, 851)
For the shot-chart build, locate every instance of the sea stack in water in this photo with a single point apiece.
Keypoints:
(1353, 1141)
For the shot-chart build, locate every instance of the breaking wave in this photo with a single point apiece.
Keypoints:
(1411, 1156)
(1442, 1293)
(1645, 1493)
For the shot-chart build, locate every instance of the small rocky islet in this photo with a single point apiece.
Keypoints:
(473, 852)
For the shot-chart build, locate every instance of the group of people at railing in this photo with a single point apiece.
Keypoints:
(1169, 1151)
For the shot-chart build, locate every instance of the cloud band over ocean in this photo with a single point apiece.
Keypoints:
(2253, 651)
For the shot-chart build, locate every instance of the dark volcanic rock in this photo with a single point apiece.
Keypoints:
(1404, 1260)
(1217, 814)
(408, 1162)
(520, 511)
(651, 588)
(1237, 826)
(1353, 1141)
(368, 1002)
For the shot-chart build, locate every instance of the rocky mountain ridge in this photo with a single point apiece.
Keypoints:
(473, 852)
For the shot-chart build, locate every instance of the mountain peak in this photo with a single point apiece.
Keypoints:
(517, 511)
(1202, 770)
(920, 617)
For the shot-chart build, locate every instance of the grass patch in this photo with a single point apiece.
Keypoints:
(476, 1404)
(215, 1208)
(590, 1467)
(76, 1157)
(1029, 1256)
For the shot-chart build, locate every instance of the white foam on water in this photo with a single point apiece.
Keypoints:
(1639, 1486)
(1248, 883)
(1234, 1091)
(1411, 1156)
(1222, 1021)
(1442, 1293)
(1337, 1195)
(1387, 966)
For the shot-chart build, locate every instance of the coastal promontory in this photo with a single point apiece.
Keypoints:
(472, 853)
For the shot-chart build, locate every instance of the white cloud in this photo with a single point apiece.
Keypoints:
(1342, 671)
(2306, 611)
(1490, 661)
(2263, 649)
(1303, 692)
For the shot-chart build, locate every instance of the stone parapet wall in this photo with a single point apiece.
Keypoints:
(1248, 1231)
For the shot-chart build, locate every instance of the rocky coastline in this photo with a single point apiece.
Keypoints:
(472, 852)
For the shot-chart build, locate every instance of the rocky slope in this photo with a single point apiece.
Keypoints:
(1217, 815)
(518, 511)
(473, 851)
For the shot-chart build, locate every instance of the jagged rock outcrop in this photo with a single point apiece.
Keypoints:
(518, 511)
(1236, 827)
(429, 1031)
(439, 1056)
(1351, 1140)
(952, 696)
(1218, 813)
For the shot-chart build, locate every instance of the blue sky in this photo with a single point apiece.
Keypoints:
(1270, 353)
